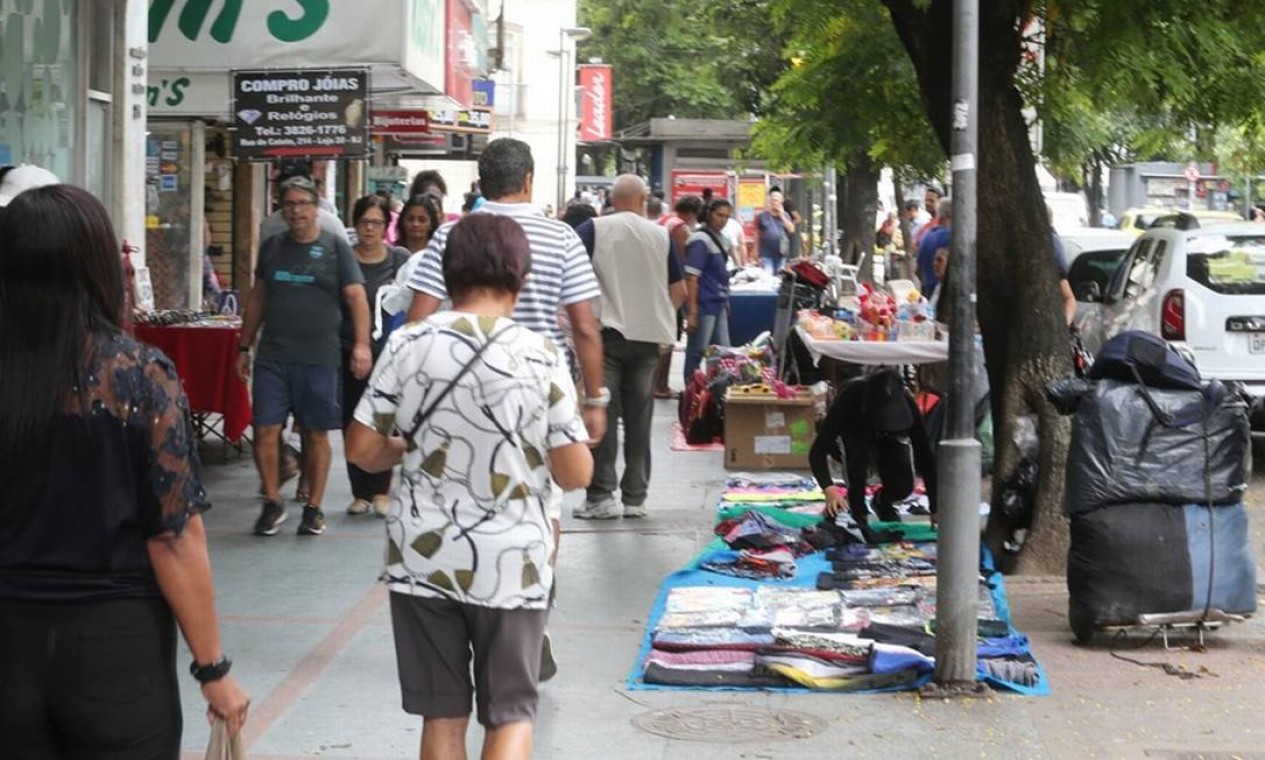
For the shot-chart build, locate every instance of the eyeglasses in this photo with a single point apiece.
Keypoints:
(371, 223)
(297, 204)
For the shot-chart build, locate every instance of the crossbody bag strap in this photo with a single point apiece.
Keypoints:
(460, 374)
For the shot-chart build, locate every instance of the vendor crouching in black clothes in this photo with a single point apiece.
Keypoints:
(879, 424)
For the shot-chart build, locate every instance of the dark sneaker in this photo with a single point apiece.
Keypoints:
(270, 519)
(548, 665)
(313, 522)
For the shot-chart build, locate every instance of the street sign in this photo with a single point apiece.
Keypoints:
(301, 112)
(1192, 172)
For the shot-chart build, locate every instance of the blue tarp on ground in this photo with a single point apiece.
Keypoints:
(807, 570)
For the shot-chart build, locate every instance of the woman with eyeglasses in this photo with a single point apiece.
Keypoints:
(379, 262)
(418, 221)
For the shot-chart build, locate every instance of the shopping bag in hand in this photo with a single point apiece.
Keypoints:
(222, 746)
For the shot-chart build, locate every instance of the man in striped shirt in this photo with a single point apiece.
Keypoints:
(561, 274)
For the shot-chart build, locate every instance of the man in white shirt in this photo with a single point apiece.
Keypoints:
(643, 284)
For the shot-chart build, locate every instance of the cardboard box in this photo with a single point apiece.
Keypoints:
(764, 432)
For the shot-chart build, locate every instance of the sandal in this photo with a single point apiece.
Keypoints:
(667, 394)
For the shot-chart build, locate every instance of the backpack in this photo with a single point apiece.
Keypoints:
(1139, 357)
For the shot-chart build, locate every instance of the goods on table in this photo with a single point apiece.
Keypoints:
(702, 406)
(184, 317)
(877, 317)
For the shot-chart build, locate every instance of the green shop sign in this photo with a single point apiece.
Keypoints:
(291, 21)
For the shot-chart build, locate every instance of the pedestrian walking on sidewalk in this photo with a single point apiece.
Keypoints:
(379, 264)
(640, 272)
(482, 413)
(102, 548)
(301, 281)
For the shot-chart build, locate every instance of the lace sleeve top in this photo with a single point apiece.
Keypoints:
(121, 467)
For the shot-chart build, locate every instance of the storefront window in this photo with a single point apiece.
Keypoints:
(39, 87)
(168, 200)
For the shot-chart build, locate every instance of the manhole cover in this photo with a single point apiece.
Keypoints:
(730, 725)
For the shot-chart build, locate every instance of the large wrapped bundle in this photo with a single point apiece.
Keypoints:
(1139, 559)
(1133, 444)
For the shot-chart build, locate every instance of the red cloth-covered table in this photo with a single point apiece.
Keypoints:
(206, 359)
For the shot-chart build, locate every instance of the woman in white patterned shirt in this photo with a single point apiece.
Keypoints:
(482, 413)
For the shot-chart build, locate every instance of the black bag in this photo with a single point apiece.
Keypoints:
(1147, 359)
(1134, 444)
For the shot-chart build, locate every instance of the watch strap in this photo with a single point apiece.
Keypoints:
(213, 672)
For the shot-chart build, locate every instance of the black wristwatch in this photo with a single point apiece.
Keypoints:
(213, 672)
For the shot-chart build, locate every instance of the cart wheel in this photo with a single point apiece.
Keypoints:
(1081, 622)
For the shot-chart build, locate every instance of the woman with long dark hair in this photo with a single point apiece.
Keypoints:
(102, 547)
(418, 221)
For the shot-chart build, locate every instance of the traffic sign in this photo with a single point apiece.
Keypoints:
(1192, 172)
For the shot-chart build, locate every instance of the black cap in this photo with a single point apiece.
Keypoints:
(886, 405)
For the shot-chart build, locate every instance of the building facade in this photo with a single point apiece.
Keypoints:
(69, 99)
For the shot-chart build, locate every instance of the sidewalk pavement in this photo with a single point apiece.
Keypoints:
(308, 629)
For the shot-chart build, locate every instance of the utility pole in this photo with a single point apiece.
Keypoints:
(958, 457)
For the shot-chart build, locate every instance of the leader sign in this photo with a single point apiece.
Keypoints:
(595, 103)
(314, 113)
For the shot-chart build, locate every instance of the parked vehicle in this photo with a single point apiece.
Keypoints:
(1093, 254)
(1135, 221)
(1203, 290)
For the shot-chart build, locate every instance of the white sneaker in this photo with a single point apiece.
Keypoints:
(637, 511)
(606, 509)
(358, 507)
(382, 505)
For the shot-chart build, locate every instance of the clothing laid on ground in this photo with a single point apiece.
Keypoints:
(561, 273)
(303, 283)
(468, 520)
(121, 467)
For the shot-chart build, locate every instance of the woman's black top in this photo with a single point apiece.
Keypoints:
(121, 467)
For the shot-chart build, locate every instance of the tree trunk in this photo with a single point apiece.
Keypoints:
(1095, 191)
(901, 264)
(1019, 311)
(860, 207)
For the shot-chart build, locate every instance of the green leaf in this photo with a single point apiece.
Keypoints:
(440, 578)
(531, 575)
(394, 555)
(428, 543)
(487, 324)
(436, 461)
(465, 579)
(532, 455)
(500, 482)
(463, 326)
(556, 394)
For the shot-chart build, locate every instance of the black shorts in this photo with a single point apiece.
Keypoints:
(434, 640)
(88, 680)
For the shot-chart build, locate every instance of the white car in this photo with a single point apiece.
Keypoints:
(1093, 254)
(1203, 290)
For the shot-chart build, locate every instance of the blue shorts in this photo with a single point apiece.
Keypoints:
(309, 392)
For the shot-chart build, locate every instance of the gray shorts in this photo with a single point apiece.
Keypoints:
(434, 640)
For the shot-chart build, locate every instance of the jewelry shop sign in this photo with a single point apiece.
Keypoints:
(317, 113)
